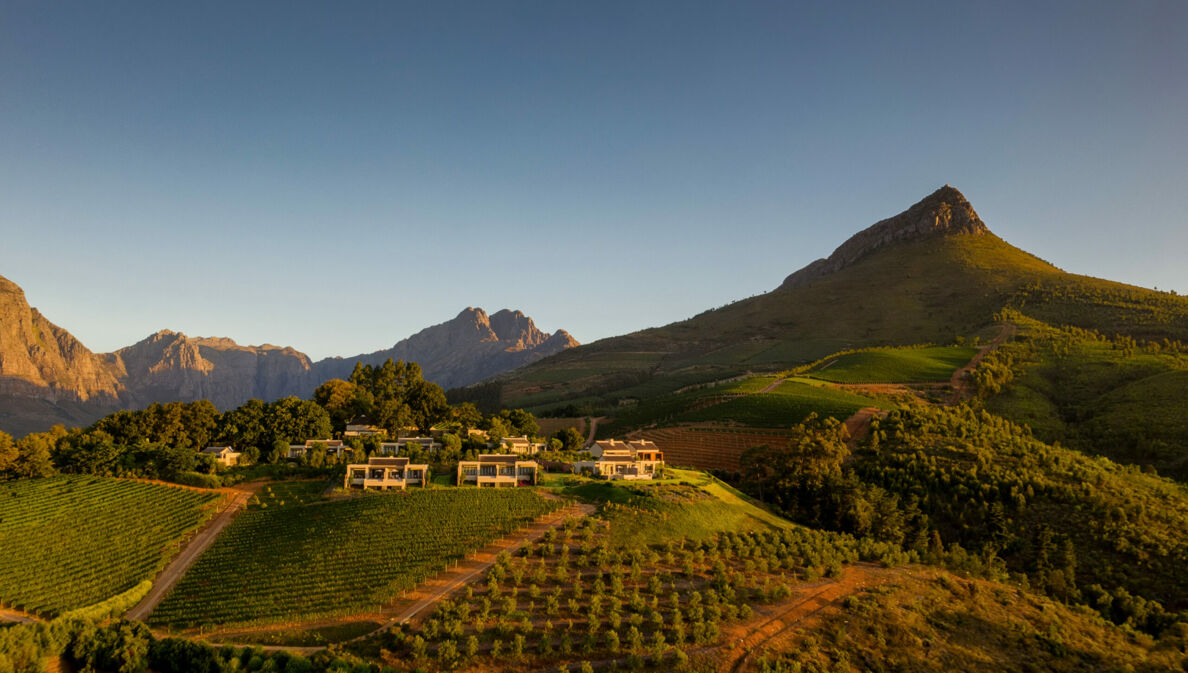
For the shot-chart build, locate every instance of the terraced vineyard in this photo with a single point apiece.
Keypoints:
(74, 541)
(345, 557)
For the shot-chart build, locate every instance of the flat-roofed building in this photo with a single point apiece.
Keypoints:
(386, 473)
(400, 446)
(493, 470)
(522, 446)
(360, 427)
(333, 447)
(637, 459)
(225, 455)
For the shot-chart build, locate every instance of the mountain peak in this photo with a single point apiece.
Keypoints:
(942, 213)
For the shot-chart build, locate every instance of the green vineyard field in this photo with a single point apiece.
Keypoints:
(342, 557)
(74, 541)
(895, 365)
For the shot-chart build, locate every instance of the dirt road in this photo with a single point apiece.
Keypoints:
(859, 424)
(960, 380)
(10, 616)
(780, 622)
(174, 571)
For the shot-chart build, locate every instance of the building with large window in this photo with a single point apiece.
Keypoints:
(498, 470)
(637, 459)
(386, 473)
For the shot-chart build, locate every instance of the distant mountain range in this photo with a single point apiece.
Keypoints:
(47, 376)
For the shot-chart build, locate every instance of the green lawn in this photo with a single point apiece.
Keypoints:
(934, 364)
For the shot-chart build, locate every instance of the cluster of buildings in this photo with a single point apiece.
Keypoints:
(387, 469)
(612, 459)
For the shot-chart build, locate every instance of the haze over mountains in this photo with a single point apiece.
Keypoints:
(47, 376)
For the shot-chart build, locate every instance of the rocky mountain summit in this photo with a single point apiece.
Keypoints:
(170, 366)
(942, 212)
(47, 376)
(469, 348)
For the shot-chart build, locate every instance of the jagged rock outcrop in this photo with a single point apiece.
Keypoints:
(169, 366)
(467, 349)
(47, 376)
(944, 211)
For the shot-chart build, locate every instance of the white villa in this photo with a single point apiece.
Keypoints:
(496, 470)
(225, 455)
(637, 459)
(386, 473)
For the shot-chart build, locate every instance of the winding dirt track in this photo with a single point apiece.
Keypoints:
(960, 380)
(781, 622)
(198, 544)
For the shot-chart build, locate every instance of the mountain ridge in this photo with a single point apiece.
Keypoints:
(47, 376)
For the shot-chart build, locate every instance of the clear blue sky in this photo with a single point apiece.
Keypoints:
(336, 176)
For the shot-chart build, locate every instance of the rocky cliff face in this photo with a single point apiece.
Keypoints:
(945, 211)
(169, 366)
(47, 376)
(38, 359)
(467, 349)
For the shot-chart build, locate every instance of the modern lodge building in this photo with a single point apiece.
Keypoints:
(385, 474)
(495, 470)
(637, 459)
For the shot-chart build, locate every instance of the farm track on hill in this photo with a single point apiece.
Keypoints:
(778, 623)
(16, 616)
(960, 380)
(169, 577)
(427, 594)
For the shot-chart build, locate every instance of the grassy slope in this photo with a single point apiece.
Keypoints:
(1096, 397)
(789, 404)
(900, 365)
(931, 620)
(687, 504)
